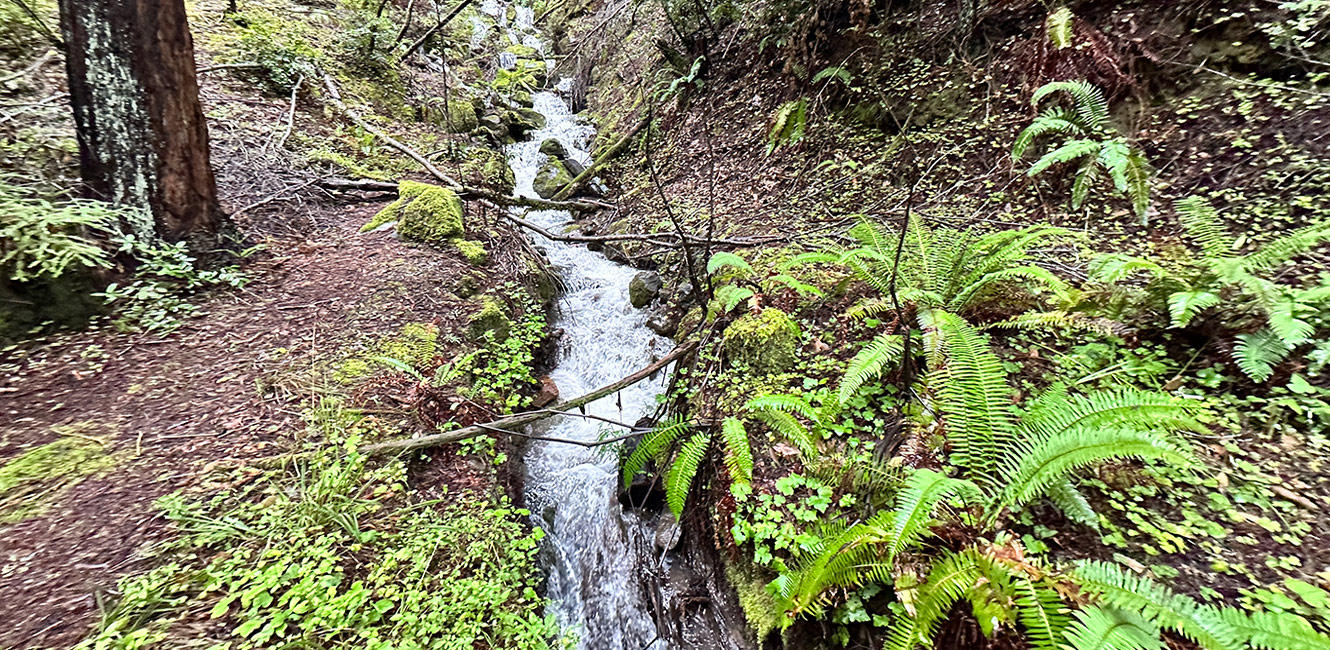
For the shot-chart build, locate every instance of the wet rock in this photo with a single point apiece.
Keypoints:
(553, 148)
(688, 323)
(551, 178)
(549, 393)
(668, 532)
(663, 324)
(575, 168)
(643, 288)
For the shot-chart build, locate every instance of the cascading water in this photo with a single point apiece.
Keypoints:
(598, 552)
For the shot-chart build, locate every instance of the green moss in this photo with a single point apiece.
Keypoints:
(489, 168)
(351, 167)
(423, 212)
(491, 320)
(30, 482)
(522, 51)
(763, 342)
(551, 178)
(473, 252)
(415, 344)
(457, 115)
(759, 607)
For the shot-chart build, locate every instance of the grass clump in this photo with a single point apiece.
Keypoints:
(31, 481)
(331, 555)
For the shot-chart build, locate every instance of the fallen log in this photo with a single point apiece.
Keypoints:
(587, 174)
(523, 419)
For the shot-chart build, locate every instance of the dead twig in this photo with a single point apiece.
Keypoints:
(291, 112)
(36, 65)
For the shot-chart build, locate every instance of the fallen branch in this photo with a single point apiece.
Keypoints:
(433, 30)
(291, 112)
(590, 171)
(275, 197)
(50, 54)
(230, 66)
(505, 425)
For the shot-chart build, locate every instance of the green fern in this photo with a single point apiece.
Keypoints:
(1275, 630)
(1257, 354)
(1201, 624)
(1092, 140)
(652, 445)
(868, 365)
(1109, 628)
(1183, 306)
(788, 124)
(738, 453)
(723, 259)
(679, 479)
(1060, 26)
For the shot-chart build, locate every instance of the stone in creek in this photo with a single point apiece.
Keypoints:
(549, 393)
(551, 178)
(644, 288)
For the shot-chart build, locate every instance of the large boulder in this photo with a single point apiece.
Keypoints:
(522, 121)
(643, 288)
(764, 342)
(551, 178)
(423, 212)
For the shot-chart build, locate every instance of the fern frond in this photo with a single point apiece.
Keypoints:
(1202, 624)
(1202, 224)
(1123, 408)
(794, 283)
(1285, 323)
(782, 402)
(1286, 248)
(868, 365)
(1080, 188)
(1138, 183)
(1060, 26)
(1038, 607)
(869, 308)
(1257, 354)
(679, 480)
(1053, 320)
(1183, 306)
(915, 504)
(791, 429)
(1056, 120)
(738, 453)
(1109, 628)
(1032, 468)
(1073, 504)
(1115, 267)
(651, 446)
(724, 259)
(1026, 276)
(1275, 630)
(1091, 106)
(973, 399)
(729, 296)
(1069, 151)
(948, 581)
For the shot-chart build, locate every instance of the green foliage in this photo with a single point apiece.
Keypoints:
(1060, 25)
(684, 462)
(1282, 315)
(679, 480)
(504, 364)
(328, 556)
(788, 125)
(43, 240)
(1093, 142)
(279, 47)
(156, 297)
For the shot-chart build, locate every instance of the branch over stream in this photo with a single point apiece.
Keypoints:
(502, 425)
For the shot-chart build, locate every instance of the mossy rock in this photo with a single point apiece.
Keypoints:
(455, 115)
(522, 51)
(551, 178)
(423, 212)
(522, 121)
(688, 323)
(491, 321)
(643, 288)
(490, 168)
(763, 342)
(553, 148)
(473, 252)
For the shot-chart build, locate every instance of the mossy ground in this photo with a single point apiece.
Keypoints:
(33, 480)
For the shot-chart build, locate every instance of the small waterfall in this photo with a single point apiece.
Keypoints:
(600, 556)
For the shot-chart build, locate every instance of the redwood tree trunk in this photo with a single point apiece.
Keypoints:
(142, 137)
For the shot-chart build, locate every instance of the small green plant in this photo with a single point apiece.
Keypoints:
(330, 555)
(44, 240)
(155, 299)
(685, 461)
(1282, 316)
(1093, 141)
(788, 125)
(279, 48)
(503, 365)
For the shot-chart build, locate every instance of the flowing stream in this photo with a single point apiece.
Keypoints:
(599, 555)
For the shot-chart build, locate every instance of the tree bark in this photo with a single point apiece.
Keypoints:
(143, 141)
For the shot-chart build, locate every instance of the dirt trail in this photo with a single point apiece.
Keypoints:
(175, 407)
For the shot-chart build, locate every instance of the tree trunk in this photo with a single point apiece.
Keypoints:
(143, 140)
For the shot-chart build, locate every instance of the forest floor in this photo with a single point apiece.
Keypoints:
(223, 390)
